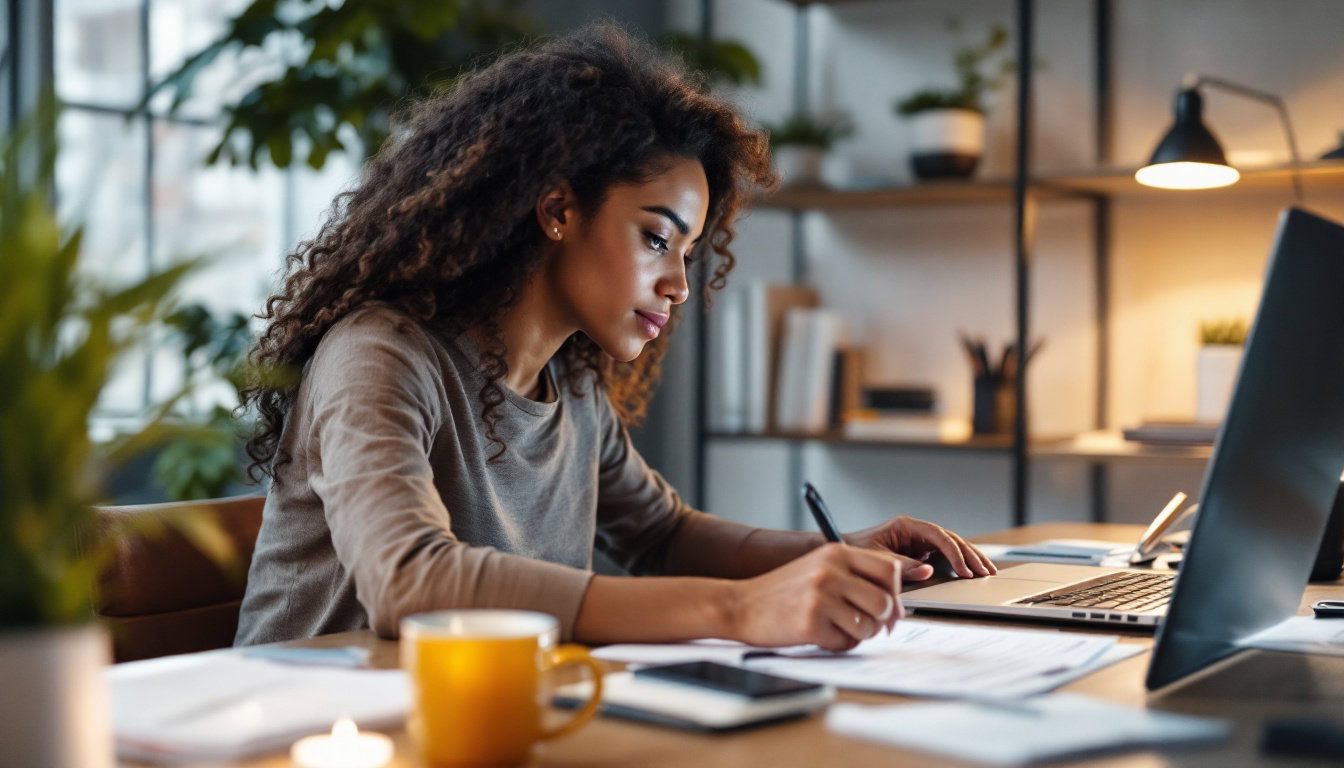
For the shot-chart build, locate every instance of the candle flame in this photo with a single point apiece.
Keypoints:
(344, 729)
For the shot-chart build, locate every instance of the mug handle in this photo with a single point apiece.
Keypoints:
(575, 654)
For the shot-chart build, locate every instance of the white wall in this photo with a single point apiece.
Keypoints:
(908, 278)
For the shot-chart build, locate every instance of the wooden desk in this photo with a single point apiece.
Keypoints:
(1246, 688)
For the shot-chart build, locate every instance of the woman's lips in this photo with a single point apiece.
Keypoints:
(653, 324)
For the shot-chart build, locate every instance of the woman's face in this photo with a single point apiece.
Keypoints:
(618, 275)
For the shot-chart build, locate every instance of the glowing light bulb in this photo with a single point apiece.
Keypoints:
(1185, 175)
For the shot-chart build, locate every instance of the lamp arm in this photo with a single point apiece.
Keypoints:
(1272, 100)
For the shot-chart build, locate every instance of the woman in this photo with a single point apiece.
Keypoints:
(476, 324)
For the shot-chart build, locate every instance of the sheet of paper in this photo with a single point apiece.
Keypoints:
(221, 705)
(1021, 732)
(919, 658)
(1301, 634)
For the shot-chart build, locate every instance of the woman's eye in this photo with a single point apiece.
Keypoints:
(656, 242)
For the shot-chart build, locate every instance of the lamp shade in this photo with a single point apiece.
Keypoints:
(1189, 157)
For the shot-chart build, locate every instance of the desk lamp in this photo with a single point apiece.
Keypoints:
(1189, 157)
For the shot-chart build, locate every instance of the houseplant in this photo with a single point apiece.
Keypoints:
(359, 60)
(202, 456)
(61, 336)
(947, 125)
(1219, 358)
(799, 144)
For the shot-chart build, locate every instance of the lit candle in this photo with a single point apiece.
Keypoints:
(345, 747)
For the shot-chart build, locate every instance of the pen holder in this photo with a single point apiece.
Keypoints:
(994, 405)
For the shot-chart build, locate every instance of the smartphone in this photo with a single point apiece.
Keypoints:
(1328, 609)
(722, 677)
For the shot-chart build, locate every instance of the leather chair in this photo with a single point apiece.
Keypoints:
(160, 595)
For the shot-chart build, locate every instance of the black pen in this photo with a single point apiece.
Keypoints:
(821, 514)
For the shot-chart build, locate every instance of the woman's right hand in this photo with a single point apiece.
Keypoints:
(834, 596)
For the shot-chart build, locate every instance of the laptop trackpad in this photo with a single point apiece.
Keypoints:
(1011, 584)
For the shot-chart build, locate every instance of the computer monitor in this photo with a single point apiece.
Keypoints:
(1276, 463)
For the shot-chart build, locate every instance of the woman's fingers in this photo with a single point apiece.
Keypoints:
(951, 549)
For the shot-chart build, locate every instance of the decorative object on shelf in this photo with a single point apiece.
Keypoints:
(947, 125)
(1189, 157)
(800, 143)
(994, 387)
(1216, 367)
(61, 337)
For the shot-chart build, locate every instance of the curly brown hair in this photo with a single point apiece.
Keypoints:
(443, 223)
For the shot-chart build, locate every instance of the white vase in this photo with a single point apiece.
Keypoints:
(1215, 374)
(798, 164)
(55, 711)
(945, 142)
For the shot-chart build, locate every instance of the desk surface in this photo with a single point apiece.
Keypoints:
(1246, 688)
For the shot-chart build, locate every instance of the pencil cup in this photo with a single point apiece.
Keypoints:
(995, 405)
(479, 684)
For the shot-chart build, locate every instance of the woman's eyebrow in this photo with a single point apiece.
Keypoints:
(674, 218)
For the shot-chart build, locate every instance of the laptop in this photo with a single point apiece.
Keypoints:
(1266, 494)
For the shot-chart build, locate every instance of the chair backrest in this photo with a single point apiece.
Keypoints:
(160, 595)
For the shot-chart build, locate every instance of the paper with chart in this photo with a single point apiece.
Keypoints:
(918, 658)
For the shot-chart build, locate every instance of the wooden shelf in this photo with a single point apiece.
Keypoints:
(1317, 177)
(817, 197)
(976, 444)
(1111, 447)
(1089, 446)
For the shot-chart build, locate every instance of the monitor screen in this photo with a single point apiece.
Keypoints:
(1276, 463)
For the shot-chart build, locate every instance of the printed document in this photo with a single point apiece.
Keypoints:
(918, 658)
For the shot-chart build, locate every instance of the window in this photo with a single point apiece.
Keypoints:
(135, 178)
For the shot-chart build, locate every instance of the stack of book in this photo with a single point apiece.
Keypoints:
(903, 413)
(1170, 432)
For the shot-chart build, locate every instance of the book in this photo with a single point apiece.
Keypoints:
(847, 383)
(765, 306)
(1174, 432)
(727, 361)
(915, 426)
(806, 368)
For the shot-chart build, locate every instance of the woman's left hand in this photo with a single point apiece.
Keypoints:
(920, 540)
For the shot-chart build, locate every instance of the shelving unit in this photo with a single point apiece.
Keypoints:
(1317, 176)
(1098, 448)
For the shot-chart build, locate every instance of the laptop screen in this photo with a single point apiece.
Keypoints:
(1276, 464)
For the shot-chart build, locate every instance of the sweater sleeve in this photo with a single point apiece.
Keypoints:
(639, 514)
(375, 409)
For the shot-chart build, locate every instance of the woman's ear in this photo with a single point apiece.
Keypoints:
(555, 211)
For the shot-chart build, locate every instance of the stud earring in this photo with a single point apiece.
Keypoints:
(556, 231)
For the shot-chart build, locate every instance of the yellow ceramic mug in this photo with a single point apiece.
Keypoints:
(478, 692)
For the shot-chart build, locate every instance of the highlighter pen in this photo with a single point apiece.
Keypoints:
(821, 514)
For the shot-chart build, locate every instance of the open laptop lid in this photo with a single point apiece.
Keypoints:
(1276, 464)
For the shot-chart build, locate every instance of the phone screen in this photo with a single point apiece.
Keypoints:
(722, 677)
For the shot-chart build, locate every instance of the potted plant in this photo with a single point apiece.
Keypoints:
(799, 144)
(61, 335)
(947, 125)
(1216, 367)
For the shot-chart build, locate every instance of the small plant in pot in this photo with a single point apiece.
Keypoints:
(61, 337)
(1220, 348)
(799, 145)
(947, 125)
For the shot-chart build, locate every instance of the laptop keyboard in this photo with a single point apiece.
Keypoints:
(1114, 592)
